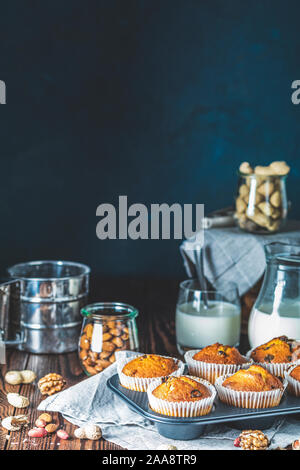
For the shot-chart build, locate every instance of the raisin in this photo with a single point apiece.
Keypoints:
(196, 393)
(222, 353)
(283, 338)
(269, 358)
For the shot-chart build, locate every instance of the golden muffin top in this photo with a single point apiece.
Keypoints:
(296, 373)
(219, 354)
(150, 365)
(254, 379)
(277, 350)
(181, 389)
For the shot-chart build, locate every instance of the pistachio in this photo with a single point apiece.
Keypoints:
(16, 377)
(14, 423)
(18, 401)
(88, 431)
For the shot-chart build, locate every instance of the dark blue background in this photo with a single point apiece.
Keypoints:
(157, 100)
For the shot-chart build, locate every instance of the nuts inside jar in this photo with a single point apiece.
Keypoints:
(261, 202)
(99, 342)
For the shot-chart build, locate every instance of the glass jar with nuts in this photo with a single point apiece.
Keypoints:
(261, 202)
(107, 327)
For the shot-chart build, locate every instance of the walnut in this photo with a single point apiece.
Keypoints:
(253, 440)
(51, 383)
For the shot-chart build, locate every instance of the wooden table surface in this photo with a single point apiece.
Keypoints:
(155, 299)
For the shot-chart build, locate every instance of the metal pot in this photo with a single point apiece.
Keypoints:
(50, 294)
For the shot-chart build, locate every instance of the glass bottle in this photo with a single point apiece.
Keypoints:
(276, 311)
(107, 327)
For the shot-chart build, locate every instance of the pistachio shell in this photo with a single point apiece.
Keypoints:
(18, 401)
(13, 377)
(28, 376)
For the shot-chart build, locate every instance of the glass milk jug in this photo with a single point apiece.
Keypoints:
(276, 311)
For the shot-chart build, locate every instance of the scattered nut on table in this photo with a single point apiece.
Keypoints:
(14, 423)
(40, 423)
(166, 447)
(51, 383)
(62, 434)
(88, 431)
(296, 445)
(46, 417)
(16, 377)
(51, 427)
(37, 432)
(252, 440)
(18, 401)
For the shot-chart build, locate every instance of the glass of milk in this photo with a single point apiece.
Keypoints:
(200, 323)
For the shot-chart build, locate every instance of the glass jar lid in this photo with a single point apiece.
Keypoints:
(107, 310)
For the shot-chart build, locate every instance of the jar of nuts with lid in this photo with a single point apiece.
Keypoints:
(107, 327)
(261, 202)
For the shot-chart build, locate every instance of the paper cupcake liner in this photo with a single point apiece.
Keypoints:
(293, 384)
(140, 384)
(183, 409)
(210, 371)
(277, 369)
(241, 399)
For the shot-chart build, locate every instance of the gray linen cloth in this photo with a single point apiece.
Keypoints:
(92, 401)
(231, 255)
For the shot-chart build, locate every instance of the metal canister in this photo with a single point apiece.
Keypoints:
(51, 296)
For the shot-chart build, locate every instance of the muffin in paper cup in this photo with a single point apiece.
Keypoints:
(210, 371)
(293, 385)
(182, 409)
(276, 368)
(140, 384)
(242, 399)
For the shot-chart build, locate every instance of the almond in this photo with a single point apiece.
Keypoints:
(103, 364)
(106, 346)
(116, 332)
(118, 342)
(89, 330)
(52, 427)
(104, 354)
(46, 417)
(106, 337)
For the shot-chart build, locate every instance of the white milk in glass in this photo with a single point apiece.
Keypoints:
(197, 327)
(265, 324)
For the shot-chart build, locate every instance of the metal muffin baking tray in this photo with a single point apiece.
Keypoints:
(191, 428)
